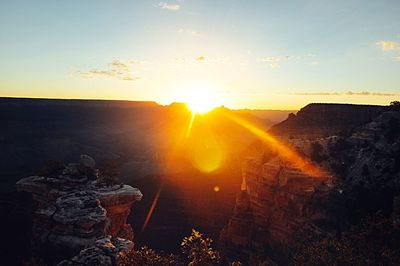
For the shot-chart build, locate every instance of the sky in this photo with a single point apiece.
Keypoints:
(261, 54)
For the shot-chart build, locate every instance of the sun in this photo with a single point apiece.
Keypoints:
(200, 98)
(200, 102)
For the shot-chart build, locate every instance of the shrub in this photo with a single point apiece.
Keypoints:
(145, 256)
(372, 242)
(198, 250)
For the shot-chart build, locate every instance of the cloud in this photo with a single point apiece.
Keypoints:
(274, 61)
(388, 45)
(189, 32)
(348, 93)
(173, 7)
(120, 65)
(116, 69)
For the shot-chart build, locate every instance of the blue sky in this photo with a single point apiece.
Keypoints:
(256, 54)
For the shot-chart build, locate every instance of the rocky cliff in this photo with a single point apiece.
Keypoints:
(278, 201)
(74, 211)
(275, 203)
(317, 119)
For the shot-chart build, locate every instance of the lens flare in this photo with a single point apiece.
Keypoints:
(207, 155)
(303, 164)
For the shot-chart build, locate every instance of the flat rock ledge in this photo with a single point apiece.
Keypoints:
(76, 214)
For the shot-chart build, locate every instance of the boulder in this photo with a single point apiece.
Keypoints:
(87, 161)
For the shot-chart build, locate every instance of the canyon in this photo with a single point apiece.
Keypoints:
(278, 202)
(258, 204)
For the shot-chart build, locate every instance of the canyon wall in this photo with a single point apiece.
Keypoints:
(278, 203)
(273, 205)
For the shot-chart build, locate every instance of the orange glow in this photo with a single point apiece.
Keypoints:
(206, 153)
(201, 98)
(295, 159)
(216, 189)
(190, 125)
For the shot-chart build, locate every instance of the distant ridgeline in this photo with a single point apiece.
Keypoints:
(5, 101)
(322, 119)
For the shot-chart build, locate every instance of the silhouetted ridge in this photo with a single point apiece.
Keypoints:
(319, 119)
(6, 101)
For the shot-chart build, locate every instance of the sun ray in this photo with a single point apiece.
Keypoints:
(190, 125)
(294, 158)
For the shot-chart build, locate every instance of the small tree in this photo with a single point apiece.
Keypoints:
(395, 105)
(198, 250)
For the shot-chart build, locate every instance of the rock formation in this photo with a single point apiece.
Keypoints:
(74, 212)
(317, 120)
(279, 201)
(274, 205)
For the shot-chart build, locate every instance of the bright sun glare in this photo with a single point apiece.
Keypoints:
(200, 98)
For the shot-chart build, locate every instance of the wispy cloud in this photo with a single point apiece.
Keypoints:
(168, 6)
(276, 61)
(189, 32)
(196, 61)
(348, 93)
(116, 69)
(388, 45)
(121, 65)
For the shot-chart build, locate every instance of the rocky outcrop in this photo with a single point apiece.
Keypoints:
(273, 206)
(317, 120)
(73, 210)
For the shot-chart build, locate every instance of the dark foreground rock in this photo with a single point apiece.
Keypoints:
(105, 251)
(75, 213)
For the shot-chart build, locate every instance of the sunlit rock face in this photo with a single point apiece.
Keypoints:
(274, 206)
(73, 210)
(322, 119)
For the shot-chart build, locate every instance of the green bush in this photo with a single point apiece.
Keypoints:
(196, 251)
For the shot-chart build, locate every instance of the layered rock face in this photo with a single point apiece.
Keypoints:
(272, 207)
(316, 120)
(73, 210)
(278, 201)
